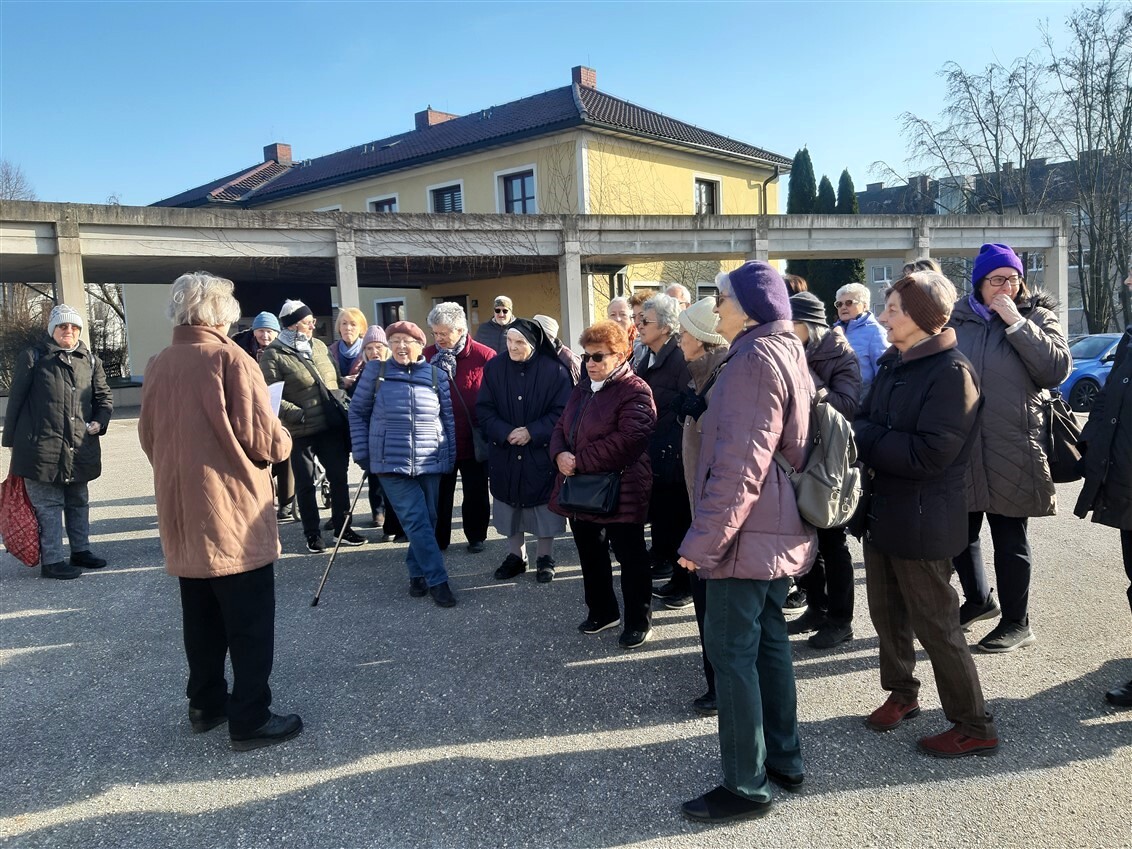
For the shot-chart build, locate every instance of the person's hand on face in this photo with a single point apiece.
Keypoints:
(998, 290)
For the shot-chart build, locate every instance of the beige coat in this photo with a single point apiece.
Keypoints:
(211, 436)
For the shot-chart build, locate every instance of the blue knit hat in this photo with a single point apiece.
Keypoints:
(265, 319)
(995, 256)
(761, 291)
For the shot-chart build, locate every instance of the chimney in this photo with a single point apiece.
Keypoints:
(1007, 167)
(431, 117)
(874, 187)
(277, 152)
(583, 76)
(1036, 163)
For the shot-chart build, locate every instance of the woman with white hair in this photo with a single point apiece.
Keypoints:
(665, 371)
(210, 433)
(861, 328)
(462, 359)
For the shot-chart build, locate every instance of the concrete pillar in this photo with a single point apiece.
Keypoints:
(762, 241)
(572, 295)
(346, 270)
(1057, 276)
(69, 288)
(921, 244)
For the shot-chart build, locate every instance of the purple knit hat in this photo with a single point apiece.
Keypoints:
(995, 256)
(761, 291)
(374, 333)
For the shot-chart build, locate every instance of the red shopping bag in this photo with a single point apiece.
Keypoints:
(18, 525)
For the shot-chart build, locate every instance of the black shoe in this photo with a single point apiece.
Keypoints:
(418, 587)
(277, 729)
(634, 639)
(475, 547)
(811, 620)
(328, 525)
(86, 560)
(795, 602)
(677, 602)
(661, 571)
(61, 571)
(544, 569)
(512, 565)
(1120, 696)
(284, 516)
(595, 626)
(790, 782)
(972, 611)
(352, 539)
(706, 705)
(442, 595)
(721, 805)
(203, 721)
(830, 634)
(1007, 636)
(669, 589)
(315, 545)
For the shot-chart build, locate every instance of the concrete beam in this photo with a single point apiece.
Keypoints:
(346, 270)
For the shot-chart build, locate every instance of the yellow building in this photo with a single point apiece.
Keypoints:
(571, 150)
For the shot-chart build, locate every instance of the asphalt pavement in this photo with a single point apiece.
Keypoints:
(496, 724)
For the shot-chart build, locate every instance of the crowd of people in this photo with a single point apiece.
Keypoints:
(677, 415)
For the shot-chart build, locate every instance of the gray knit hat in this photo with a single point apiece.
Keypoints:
(700, 320)
(63, 314)
(805, 306)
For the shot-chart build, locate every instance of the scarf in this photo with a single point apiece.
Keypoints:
(347, 356)
(980, 309)
(445, 358)
(596, 385)
(298, 341)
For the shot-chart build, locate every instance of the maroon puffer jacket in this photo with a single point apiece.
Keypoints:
(613, 433)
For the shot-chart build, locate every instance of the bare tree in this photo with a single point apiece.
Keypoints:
(14, 184)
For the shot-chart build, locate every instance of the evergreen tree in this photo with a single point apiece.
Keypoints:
(827, 201)
(823, 272)
(849, 270)
(800, 200)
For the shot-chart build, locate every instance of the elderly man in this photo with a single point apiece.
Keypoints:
(493, 333)
(462, 360)
(681, 294)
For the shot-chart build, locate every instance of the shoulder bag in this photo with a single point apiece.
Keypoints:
(1063, 437)
(596, 494)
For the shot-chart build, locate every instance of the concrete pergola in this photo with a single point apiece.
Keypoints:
(71, 244)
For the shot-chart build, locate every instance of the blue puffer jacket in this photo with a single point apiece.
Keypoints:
(403, 425)
(869, 341)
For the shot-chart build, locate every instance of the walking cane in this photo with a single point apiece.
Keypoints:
(338, 539)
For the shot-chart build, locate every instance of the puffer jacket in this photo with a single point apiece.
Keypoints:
(747, 523)
(402, 424)
(208, 430)
(54, 396)
(301, 409)
(530, 394)
(701, 371)
(470, 364)
(834, 367)
(914, 436)
(607, 431)
(1107, 490)
(1008, 473)
(869, 341)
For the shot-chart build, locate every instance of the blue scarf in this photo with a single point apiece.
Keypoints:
(346, 356)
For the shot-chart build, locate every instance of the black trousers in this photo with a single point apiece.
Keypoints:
(475, 509)
(699, 601)
(233, 615)
(670, 516)
(378, 501)
(332, 448)
(1012, 564)
(628, 543)
(829, 584)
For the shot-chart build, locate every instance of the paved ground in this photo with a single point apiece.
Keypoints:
(496, 724)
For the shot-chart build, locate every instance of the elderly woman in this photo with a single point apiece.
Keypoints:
(490, 334)
(704, 350)
(914, 436)
(402, 430)
(829, 584)
(605, 428)
(346, 353)
(210, 433)
(58, 406)
(1013, 339)
(565, 356)
(663, 368)
(376, 347)
(620, 311)
(861, 328)
(463, 360)
(317, 429)
(747, 539)
(522, 398)
(1107, 490)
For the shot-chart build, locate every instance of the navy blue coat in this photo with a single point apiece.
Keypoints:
(530, 394)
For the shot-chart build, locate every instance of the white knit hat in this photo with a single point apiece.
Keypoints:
(293, 312)
(549, 325)
(700, 320)
(63, 314)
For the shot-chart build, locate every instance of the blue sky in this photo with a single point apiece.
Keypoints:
(147, 99)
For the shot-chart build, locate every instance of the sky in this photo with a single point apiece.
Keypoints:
(143, 100)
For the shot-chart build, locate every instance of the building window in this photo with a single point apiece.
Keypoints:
(1035, 261)
(383, 204)
(707, 197)
(448, 199)
(519, 193)
(882, 273)
(335, 208)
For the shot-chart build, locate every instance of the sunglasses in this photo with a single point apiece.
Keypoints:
(501, 310)
(846, 303)
(597, 358)
(644, 322)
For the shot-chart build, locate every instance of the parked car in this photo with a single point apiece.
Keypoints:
(1092, 361)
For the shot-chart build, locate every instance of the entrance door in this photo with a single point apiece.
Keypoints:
(389, 310)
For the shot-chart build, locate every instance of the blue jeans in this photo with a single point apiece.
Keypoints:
(415, 499)
(746, 642)
(54, 504)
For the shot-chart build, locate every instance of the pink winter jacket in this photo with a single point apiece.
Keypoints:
(746, 518)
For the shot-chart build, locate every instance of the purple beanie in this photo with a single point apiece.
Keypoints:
(374, 333)
(995, 256)
(761, 292)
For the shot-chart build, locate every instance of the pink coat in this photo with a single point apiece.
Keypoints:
(746, 517)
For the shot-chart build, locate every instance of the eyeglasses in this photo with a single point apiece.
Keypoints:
(1013, 281)
(643, 322)
(848, 302)
(501, 310)
(719, 299)
(597, 358)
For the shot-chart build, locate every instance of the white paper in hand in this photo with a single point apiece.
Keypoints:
(275, 392)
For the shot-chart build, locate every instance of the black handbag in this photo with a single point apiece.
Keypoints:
(1063, 451)
(595, 494)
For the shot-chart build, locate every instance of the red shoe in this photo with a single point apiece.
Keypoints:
(891, 713)
(955, 744)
